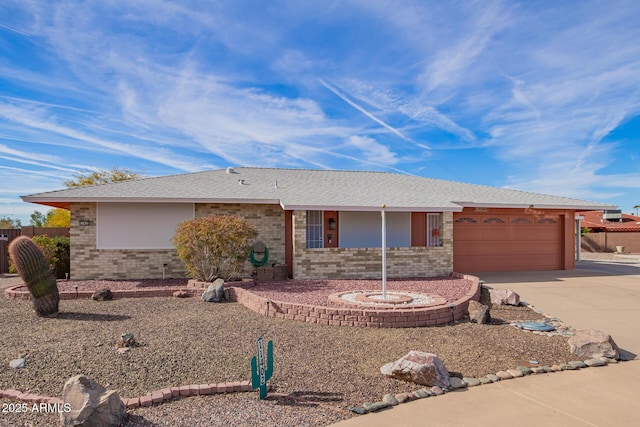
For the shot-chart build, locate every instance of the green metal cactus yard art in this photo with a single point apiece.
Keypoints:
(262, 370)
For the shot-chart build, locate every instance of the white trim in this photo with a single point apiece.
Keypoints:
(535, 206)
(146, 200)
(369, 208)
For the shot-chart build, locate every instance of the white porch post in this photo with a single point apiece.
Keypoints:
(384, 254)
(578, 238)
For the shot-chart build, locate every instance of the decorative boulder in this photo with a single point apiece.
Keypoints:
(592, 344)
(504, 297)
(215, 292)
(102, 295)
(91, 404)
(478, 313)
(420, 368)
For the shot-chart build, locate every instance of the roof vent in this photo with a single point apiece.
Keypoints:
(230, 170)
(275, 185)
(241, 182)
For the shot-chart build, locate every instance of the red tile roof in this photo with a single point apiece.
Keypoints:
(594, 221)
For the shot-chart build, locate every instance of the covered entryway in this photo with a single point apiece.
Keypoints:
(508, 240)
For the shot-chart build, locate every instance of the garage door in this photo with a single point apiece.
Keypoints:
(490, 242)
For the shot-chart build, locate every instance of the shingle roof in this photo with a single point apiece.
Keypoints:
(311, 189)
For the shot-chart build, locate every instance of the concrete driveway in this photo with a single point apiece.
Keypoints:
(602, 295)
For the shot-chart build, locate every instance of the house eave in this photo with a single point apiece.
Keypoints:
(534, 206)
(68, 200)
(355, 208)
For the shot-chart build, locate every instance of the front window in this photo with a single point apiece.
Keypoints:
(314, 229)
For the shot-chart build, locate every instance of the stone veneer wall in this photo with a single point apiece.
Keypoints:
(87, 262)
(352, 263)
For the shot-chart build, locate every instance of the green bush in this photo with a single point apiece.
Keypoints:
(57, 253)
(214, 247)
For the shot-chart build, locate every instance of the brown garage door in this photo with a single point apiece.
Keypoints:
(490, 242)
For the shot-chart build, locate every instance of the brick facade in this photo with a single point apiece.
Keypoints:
(268, 220)
(366, 263)
(87, 262)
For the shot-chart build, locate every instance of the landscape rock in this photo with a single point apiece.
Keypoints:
(515, 373)
(437, 391)
(592, 344)
(493, 377)
(402, 397)
(478, 313)
(102, 295)
(421, 394)
(420, 368)
(376, 406)
(91, 404)
(456, 382)
(181, 294)
(215, 292)
(568, 367)
(17, 363)
(595, 362)
(524, 369)
(126, 340)
(485, 380)
(390, 399)
(578, 364)
(504, 375)
(504, 297)
(471, 381)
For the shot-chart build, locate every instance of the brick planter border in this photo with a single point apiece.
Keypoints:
(155, 397)
(22, 294)
(383, 317)
(363, 316)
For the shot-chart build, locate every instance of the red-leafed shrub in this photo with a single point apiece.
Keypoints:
(214, 247)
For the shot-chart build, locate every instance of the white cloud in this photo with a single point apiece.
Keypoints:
(373, 151)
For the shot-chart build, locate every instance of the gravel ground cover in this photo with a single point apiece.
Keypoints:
(319, 370)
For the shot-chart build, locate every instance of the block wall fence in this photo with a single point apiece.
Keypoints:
(607, 242)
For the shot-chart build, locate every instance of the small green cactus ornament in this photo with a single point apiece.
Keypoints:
(262, 370)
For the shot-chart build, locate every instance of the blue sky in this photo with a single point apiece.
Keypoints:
(536, 96)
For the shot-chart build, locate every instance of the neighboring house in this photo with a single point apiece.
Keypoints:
(321, 223)
(609, 230)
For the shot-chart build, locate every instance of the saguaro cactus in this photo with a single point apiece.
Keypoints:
(37, 275)
(260, 373)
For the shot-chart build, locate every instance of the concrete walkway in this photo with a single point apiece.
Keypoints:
(602, 295)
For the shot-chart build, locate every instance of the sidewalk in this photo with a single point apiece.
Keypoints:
(602, 295)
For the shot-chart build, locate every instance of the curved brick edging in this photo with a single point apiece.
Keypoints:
(15, 294)
(156, 396)
(335, 316)
(369, 316)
